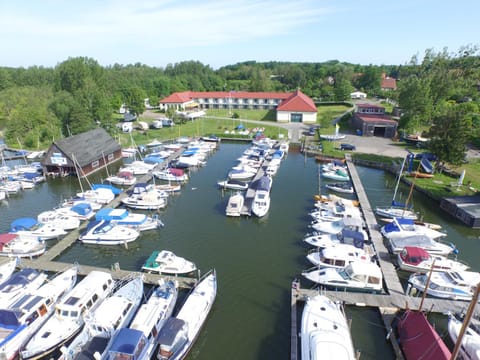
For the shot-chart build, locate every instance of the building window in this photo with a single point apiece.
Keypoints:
(95, 164)
(110, 157)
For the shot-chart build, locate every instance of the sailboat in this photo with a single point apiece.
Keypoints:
(397, 210)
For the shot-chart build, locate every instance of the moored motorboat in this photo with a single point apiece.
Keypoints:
(31, 227)
(396, 245)
(233, 184)
(337, 256)
(400, 227)
(19, 283)
(59, 219)
(115, 312)
(123, 178)
(235, 205)
(346, 236)
(325, 332)
(21, 318)
(346, 188)
(261, 199)
(138, 341)
(416, 259)
(137, 221)
(21, 246)
(69, 315)
(419, 339)
(470, 348)
(6, 269)
(166, 262)
(356, 276)
(105, 232)
(180, 332)
(456, 285)
(148, 200)
(171, 174)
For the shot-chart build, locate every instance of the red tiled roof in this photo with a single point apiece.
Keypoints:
(375, 118)
(177, 98)
(297, 101)
(389, 83)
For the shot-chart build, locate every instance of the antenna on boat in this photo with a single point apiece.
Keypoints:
(466, 322)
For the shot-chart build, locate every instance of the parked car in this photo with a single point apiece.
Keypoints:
(347, 147)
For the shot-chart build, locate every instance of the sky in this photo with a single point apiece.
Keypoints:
(221, 32)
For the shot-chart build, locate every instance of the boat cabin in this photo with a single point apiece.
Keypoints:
(365, 273)
(172, 338)
(86, 295)
(128, 344)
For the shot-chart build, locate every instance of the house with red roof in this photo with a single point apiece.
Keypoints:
(290, 107)
(388, 83)
(371, 120)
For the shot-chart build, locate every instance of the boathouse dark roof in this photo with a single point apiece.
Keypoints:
(88, 146)
(464, 208)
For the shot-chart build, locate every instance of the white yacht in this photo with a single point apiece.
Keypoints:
(59, 219)
(31, 227)
(137, 221)
(416, 259)
(356, 276)
(139, 340)
(69, 315)
(235, 205)
(179, 333)
(148, 200)
(325, 332)
(21, 282)
(399, 228)
(470, 348)
(21, 246)
(7, 268)
(105, 232)
(115, 312)
(261, 200)
(166, 262)
(21, 319)
(337, 256)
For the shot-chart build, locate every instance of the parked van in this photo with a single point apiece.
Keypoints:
(156, 124)
(127, 127)
(167, 122)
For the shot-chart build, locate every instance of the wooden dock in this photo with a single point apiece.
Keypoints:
(394, 297)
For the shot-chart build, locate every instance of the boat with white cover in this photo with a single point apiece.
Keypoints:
(103, 232)
(261, 199)
(434, 247)
(470, 348)
(148, 200)
(235, 204)
(21, 246)
(113, 313)
(334, 227)
(456, 285)
(346, 236)
(171, 174)
(166, 262)
(242, 173)
(24, 316)
(59, 219)
(416, 259)
(122, 178)
(180, 332)
(337, 256)
(345, 187)
(233, 184)
(138, 341)
(325, 332)
(137, 221)
(400, 227)
(69, 315)
(100, 195)
(138, 167)
(21, 282)
(356, 276)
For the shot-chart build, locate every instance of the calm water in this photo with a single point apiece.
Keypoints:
(255, 259)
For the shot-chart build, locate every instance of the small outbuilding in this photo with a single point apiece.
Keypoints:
(358, 95)
(81, 154)
(371, 120)
(464, 208)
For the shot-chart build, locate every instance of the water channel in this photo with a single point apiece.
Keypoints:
(256, 259)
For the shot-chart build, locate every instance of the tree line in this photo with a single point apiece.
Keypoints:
(437, 94)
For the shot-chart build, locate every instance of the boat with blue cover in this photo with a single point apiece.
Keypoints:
(140, 222)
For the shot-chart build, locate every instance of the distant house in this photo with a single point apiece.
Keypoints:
(81, 154)
(371, 120)
(388, 83)
(294, 107)
(358, 95)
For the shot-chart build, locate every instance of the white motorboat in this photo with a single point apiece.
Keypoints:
(100, 195)
(261, 199)
(24, 316)
(456, 285)
(6, 269)
(233, 184)
(400, 227)
(138, 167)
(337, 256)
(59, 219)
(334, 227)
(235, 204)
(338, 175)
(179, 333)
(397, 245)
(105, 232)
(69, 316)
(21, 282)
(137, 221)
(31, 227)
(325, 332)
(148, 200)
(115, 312)
(21, 246)
(416, 259)
(169, 188)
(171, 174)
(470, 348)
(166, 262)
(346, 236)
(242, 173)
(356, 276)
(138, 341)
(272, 169)
(123, 178)
(345, 187)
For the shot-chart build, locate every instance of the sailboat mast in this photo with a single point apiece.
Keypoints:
(398, 180)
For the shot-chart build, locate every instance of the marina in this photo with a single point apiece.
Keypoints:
(251, 240)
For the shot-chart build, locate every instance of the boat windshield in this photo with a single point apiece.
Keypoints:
(344, 273)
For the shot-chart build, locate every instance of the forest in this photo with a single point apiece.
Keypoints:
(438, 94)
